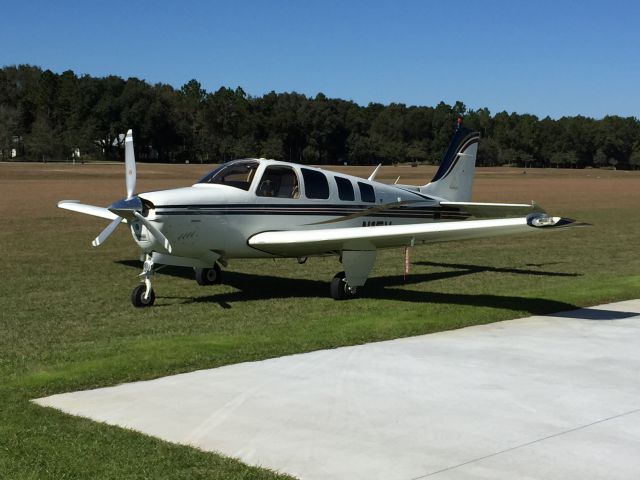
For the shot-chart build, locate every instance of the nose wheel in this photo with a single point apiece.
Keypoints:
(140, 298)
(143, 295)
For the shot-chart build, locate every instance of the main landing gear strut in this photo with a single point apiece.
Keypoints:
(357, 266)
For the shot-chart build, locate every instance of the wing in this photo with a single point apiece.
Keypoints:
(76, 206)
(300, 243)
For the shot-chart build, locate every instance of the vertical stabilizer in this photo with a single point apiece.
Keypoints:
(454, 179)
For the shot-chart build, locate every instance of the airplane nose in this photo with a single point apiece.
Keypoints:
(125, 207)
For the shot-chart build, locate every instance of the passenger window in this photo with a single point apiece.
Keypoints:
(345, 189)
(278, 181)
(315, 184)
(366, 192)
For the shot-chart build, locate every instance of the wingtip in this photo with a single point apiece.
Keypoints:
(570, 222)
(541, 220)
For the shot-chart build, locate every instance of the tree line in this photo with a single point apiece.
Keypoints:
(49, 116)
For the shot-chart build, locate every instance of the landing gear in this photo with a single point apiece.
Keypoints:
(357, 265)
(140, 299)
(208, 276)
(143, 295)
(340, 289)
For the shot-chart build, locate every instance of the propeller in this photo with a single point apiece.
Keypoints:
(131, 207)
(130, 164)
(99, 240)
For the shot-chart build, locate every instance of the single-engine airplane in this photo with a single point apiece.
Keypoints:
(254, 208)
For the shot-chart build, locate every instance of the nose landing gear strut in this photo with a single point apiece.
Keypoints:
(143, 295)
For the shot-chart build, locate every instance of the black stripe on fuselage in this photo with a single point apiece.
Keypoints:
(435, 212)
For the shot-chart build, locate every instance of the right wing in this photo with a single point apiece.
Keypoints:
(300, 243)
(76, 206)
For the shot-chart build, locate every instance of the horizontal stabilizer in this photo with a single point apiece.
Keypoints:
(76, 206)
(496, 210)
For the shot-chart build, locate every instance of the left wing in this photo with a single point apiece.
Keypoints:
(299, 243)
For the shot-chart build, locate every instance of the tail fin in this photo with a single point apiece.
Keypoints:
(454, 179)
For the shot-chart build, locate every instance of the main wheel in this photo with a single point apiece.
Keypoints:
(339, 288)
(208, 276)
(137, 297)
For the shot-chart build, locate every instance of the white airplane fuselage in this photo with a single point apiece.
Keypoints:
(219, 218)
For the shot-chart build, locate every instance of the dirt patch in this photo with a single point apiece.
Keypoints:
(32, 190)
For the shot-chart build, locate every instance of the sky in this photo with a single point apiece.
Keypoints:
(548, 58)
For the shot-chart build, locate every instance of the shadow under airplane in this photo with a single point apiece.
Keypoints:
(596, 314)
(252, 286)
(468, 269)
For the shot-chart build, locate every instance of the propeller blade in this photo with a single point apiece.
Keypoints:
(99, 240)
(154, 231)
(130, 164)
(76, 206)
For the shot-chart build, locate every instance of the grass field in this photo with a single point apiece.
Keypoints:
(67, 323)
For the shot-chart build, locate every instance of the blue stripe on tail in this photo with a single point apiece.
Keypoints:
(460, 138)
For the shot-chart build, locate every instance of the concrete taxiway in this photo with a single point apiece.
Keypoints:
(544, 397)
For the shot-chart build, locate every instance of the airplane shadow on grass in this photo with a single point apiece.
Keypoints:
(466, 269)
(253, 286)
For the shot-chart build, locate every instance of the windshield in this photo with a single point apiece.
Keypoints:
(235, 174)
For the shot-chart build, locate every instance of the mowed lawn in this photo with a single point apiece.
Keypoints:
(66, 321)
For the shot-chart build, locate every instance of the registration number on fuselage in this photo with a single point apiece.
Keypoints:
(377, 223)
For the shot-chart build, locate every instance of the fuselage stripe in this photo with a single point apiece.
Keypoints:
(334, 211)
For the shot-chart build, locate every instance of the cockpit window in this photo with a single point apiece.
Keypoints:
(278, 181)
(236, 174)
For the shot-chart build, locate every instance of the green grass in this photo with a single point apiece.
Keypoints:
(66, 323)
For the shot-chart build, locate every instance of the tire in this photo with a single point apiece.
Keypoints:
(137, 297)
(339, 288)
(208, 276)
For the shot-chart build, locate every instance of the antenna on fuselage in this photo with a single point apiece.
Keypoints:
(375, 172)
